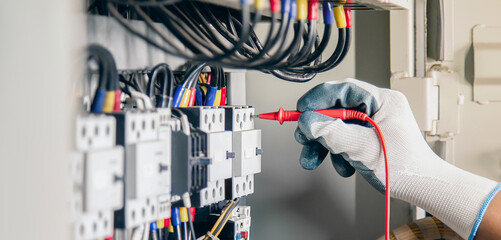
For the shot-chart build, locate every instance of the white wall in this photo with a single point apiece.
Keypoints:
(39, 46)
(478, 146)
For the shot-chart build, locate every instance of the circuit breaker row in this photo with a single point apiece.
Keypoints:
(132, 166)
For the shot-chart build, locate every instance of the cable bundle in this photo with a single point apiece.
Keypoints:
(107, 95)
(148, 88)
(162, 88)
(225, 37)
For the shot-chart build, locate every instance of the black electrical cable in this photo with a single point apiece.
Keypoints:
(271, 41)
(179, 29)
(342, 55)
(166, 87)
(221, 79)
(244, 35)
(345, 50)
(318, 50)
(124, 22)
(297, 77)
(228, 39)
(134, 79)
(155, 72)
(258, 64)
(280, 56)
(191, 76)
(202, 23)
(182, 37)
(186, 24)
(108, 77)
(214, 76)
(331, 60)
(309, 40)
(218, 25)
(127, 85)
(145, 3)
(102, 75)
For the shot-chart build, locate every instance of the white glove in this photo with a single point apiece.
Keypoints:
(417, 175)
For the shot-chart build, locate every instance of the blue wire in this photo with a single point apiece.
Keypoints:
(211, 96)
(178, 96)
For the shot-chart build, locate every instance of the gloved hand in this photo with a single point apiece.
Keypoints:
(417, 174)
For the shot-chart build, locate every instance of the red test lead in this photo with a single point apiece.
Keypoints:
(291, 116)
(284, 116)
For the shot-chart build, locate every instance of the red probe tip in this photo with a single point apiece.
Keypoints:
(281, 116)
(273, 115)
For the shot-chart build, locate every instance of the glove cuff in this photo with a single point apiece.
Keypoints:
(483, 210)
(454, 196)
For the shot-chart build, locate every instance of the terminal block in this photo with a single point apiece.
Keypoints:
(213, 193)
(239, 118)
(97, 170)
(208, 119)
(146, 168)
(95, 132)
(239, 224)
(237, 187)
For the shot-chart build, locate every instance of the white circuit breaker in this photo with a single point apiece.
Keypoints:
(147, 164)
(211, 120)
(247, 148)
(97, 171)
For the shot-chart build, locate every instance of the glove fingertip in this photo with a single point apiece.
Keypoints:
(312, 156)
(300, 137)
(343, 167)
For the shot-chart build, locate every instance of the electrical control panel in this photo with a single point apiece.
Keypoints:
(97, 173)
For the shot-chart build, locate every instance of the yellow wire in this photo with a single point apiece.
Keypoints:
(340, 17)
(201, 78)
(221, 229)
(221, 217)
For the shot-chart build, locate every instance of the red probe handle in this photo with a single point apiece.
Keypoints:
(288, 116)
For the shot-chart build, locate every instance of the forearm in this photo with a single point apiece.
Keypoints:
(490, 228)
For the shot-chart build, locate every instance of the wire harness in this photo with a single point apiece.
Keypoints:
(223, 37)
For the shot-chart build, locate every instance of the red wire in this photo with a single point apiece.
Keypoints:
(387, 170)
